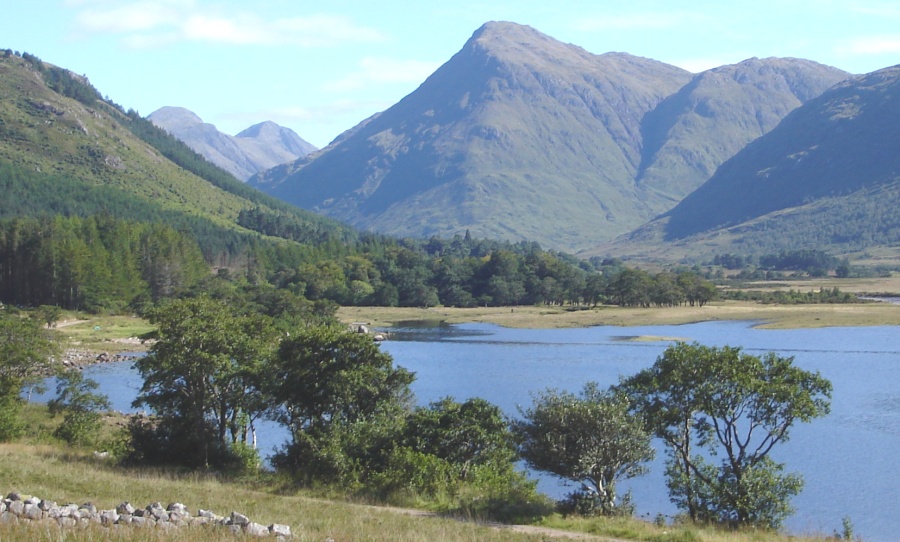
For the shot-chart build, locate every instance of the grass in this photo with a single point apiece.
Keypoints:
(102, 333)
(42, 466)
(538, 317)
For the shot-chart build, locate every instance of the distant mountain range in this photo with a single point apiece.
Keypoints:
(260, 147)
(522, 137)
(827, 177)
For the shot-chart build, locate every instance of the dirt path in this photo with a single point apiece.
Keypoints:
(67, 323)
(524, 529)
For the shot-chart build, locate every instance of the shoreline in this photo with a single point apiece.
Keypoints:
(548, 317)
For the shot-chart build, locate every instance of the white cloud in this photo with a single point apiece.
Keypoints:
(373, 70)
(138, 16)
(872, 45)
(145, 24)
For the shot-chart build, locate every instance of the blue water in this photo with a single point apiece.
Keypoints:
(848, 459)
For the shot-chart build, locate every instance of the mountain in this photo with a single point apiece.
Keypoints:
(522, 137)
(255, 149)
(518, 136)
(65, 150)
(719, 112)
(827, 177)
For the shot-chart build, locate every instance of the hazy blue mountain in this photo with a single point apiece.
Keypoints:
(255, 149)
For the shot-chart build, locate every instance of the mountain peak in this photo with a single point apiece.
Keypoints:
(518, 43)
(263, 129)
(259, 147)
(170, 115)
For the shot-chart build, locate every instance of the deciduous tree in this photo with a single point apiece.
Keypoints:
(707, 402)
(25, 353)
(340, 397)
(201, 377)
(590, 439)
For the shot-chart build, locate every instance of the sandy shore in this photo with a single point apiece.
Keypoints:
(767, 316)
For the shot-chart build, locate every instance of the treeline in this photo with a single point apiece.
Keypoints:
(793, 297)
(103, 263)
(814, 263)
(63, 81)
(638, 288)
(32, 193)
(95, 263)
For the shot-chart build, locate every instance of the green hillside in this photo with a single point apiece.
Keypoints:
(65, 150)
(719, 112)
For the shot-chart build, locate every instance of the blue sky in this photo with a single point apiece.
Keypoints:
(321, 67)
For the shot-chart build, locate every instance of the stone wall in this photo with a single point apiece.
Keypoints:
(16, 508)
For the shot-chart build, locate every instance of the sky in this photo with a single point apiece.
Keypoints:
(319, 67)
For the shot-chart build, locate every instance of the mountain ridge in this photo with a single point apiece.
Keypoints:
(827, 177)
(256, 148)
(521, 137)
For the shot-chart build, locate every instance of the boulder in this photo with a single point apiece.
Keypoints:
(280, 530)
(255, 529)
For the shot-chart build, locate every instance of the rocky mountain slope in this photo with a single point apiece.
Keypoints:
(718, 113)
(520, 136)
(827, 177)
(255, 149)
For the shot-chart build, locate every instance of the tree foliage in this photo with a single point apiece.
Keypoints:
(340, 398)
(25, 353)
(77, 400)
(93, 263)
(202, 380)
(590, 439)
(706, 402)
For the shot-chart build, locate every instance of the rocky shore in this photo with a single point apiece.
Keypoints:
(74, 358)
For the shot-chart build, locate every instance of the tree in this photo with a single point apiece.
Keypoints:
(630, 288)
(48, 314)
(76, 398)
(706, 402)
(25, 353)
(466, 435)
(590, 439)
(201, 378)
(340, 397)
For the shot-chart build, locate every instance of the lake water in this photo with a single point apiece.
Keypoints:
(848, 459)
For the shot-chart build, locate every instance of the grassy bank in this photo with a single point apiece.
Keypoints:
(50, 471)
(102, 333)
